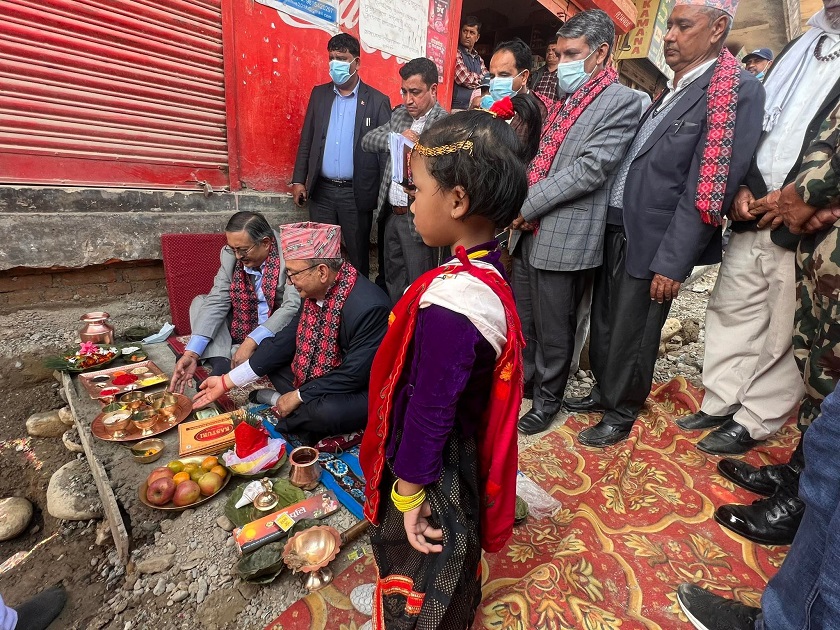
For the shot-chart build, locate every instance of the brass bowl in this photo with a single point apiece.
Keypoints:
(166, 404)
(145, 420)
(133, 400)
(147, 451)
(310, 551)
(116, 422)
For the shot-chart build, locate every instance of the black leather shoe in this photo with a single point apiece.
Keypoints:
(765, 480)
(701, 420)
(707, 611)
(533, 422)
(603, 434)
(730, 438)
(582, 405)
(771, 521)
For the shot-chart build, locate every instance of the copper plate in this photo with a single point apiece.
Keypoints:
(184, 408)
(94, 388)
(171, 507)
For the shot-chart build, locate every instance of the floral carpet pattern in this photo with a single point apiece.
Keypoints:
(636, 521)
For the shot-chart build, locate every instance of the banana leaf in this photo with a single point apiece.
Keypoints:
(263, 565)
(288, 494)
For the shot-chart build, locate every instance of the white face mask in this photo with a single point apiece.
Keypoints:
(571, 75)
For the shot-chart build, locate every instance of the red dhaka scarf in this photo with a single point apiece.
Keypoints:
(561, 116)
(497, 450)
(243, 297)
(317, 352)
(721, 108)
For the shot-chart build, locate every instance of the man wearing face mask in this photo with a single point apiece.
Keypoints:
(667, 201)
(510, 69)
(339, 179)
(557, 240)
(404, 255)
(758, 62)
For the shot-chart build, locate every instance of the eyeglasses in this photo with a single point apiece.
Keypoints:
(239, 252)
(289, 276)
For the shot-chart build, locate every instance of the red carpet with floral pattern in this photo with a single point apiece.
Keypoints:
(637, 520)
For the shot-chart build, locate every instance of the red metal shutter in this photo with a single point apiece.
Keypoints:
(126, 93)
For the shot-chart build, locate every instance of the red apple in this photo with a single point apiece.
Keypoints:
(160, 491)
(159, 473)
(210, 483)
(185, 493)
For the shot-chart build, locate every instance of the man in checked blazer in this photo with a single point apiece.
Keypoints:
(403, 255)
(553, 260)
(339, 179)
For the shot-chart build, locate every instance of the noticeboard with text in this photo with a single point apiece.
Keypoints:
(646, 41)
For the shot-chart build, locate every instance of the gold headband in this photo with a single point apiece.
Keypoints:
(463, 145)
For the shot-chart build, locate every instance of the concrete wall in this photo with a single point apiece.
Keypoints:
(44, 228)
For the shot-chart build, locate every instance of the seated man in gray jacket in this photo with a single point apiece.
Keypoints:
(250, 300)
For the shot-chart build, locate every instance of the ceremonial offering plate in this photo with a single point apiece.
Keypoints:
(171, 507)
(125, 379)
(132, 433)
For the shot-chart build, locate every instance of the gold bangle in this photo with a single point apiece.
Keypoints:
(406, 504)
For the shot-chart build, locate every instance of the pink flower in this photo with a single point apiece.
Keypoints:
(87, 347)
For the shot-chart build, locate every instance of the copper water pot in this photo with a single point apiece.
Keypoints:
(97, 328)
(305, 471)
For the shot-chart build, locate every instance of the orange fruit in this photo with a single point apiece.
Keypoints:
(219, 470)
(209, 462)
(181, 476)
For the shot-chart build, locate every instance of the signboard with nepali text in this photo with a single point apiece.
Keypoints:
(322, 12)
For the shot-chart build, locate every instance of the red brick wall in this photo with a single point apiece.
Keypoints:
(21, 287)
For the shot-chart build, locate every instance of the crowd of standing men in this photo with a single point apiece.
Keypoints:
(625, 198)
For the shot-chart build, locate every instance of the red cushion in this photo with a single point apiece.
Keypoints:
(190, 262)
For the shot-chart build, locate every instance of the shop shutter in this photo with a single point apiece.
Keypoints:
(123, 93)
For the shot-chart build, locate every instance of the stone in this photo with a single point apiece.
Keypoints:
(70, 439)
(179, 596)
(156, 564)
(221, 608)
(225, 523)
(690, 330)
(165, 526)
(66, 416)
(103, 532)
(72, 495)
(45, 424)
(160, 587)
(672, 327)
(201, 593)
(15, 514)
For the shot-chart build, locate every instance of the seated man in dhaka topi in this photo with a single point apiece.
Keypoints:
(250, 301)
(320, 363)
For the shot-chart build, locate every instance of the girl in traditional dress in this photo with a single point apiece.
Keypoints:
(439, 453)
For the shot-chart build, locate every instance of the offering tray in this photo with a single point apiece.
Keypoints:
(171, 507)
(132, 433)
(148, 375)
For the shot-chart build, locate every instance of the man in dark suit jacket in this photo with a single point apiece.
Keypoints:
(320, 371)
(331, 170)
(656, 232)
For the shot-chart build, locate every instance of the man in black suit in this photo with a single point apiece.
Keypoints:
(658, 226)
(331, 170)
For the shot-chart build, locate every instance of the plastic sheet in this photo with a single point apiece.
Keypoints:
(540, 503)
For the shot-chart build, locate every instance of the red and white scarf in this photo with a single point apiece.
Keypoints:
(317, 352)
(721, 107)
(243, 297)
(561, 116)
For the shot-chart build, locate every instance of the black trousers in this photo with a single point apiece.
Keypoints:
(547, 303)
(330, 414)
(626, 327)
(337, 206)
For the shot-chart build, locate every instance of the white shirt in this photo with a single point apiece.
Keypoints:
(781, 147)
(396, 194)
(687, 79)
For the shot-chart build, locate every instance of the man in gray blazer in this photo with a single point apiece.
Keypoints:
(552, 261)
(250, 300)
(403, 256)
(661, 222)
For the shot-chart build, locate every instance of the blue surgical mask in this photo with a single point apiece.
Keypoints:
(501, 87)
(487, 102)
(340, 71)
(571, 75)
(760, 75)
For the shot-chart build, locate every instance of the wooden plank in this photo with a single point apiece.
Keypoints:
(100, 477)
